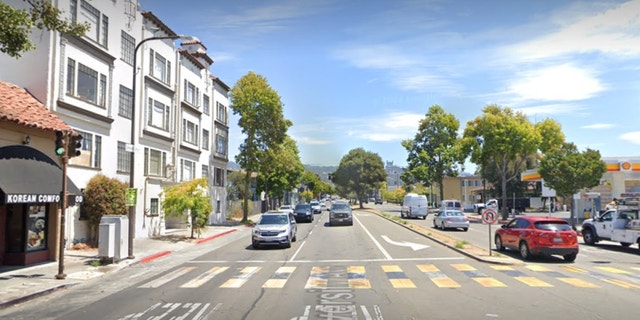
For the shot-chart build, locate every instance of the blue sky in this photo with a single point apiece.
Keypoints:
(364, 73)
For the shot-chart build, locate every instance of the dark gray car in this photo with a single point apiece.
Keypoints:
(303, 212)
(340, 213)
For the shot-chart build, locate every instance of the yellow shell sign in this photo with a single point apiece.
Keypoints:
(625, 166)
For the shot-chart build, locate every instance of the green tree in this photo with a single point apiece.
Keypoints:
(103, 196)
(281, 169)
(433, 153)
(359, 171)
(261, 121)
(17, 24)
(311, 182)
(192, 197)
(566, 170)
(236, 188)
(502, 141)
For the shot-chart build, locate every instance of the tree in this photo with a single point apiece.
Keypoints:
(566, 170)
(281, 169)
(359, 171)
(236, 188)
(433, 153)
(504, 139)
(261, 121)
(17, 25)
(310, 181)
(103, 196)
(192, 197)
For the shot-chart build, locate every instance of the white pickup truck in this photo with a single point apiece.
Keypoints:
(621, 224)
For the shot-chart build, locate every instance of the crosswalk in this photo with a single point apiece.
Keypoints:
(398, 276)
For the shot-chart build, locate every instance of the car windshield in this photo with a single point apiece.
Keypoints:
(453, 213)
(552, 226)
(340, 206)
(302, 207)
(273, 219)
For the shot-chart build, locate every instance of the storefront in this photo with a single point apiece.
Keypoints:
(30, 196)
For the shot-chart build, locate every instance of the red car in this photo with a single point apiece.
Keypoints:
(538, 236)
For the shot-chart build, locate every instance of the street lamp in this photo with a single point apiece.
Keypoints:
(132, 208)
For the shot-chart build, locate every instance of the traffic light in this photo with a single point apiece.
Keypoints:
(60, 143)
(75, 145)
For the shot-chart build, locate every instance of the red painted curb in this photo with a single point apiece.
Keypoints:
(199, 241)
(155, 256)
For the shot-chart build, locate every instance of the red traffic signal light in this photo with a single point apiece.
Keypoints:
(60, 143)
(75, 146)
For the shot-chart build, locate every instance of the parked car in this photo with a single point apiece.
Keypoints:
(303, 211)
(286, 208)
(315, 206)
(538, 236)
(414, 205)
(451, 219)
(378, 201)
(340, 213)
(275, 228)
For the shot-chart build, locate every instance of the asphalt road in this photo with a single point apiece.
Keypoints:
(375, 269)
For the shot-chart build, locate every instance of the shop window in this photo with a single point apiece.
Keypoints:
(37, 228)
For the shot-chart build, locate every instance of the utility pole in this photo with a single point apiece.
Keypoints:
(63, 140)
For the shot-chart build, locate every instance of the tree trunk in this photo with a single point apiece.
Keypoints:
(245, 202)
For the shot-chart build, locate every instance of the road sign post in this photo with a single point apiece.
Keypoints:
(489, 216)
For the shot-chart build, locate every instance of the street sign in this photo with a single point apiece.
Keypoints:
(489, 216)
(131, 196)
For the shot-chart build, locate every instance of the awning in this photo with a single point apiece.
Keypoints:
(29, 176)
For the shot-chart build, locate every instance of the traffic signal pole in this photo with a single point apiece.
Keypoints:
(63, 205)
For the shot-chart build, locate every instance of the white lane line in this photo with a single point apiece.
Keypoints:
(297, 251)
(384, 252)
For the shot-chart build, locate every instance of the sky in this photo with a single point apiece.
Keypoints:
(363, 73)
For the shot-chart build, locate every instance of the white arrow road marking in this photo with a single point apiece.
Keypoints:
(414, 246)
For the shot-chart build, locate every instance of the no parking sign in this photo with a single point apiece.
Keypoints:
(489, 216)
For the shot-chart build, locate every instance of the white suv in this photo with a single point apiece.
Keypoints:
(275, 228)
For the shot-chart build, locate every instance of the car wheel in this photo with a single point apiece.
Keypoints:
(524, 250)
(255, 245)
(424, 218)
(442, 226)
(402, 214)
(287, 244)
(570, 257)
(588, 236)
(498, 242)
(465, 229)
(625, 244)
(294, 238)
(435, 225)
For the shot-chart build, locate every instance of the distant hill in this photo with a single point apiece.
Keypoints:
(321, 171)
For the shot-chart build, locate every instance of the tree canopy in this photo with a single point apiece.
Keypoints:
(261, 121)
(17, 25)
(359, 171)
(281, 169)
(434, 153)
(192, 197)
(566, 170)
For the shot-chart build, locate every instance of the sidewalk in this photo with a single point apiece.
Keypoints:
(19, 284)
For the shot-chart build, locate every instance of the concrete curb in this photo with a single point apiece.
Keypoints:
(492, 260)
(34, 295)
(199, 241)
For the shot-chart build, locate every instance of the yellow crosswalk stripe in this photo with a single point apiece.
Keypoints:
(463, 267)
(357, 277)
(533, 282)
(574, 269)
(318, 278)
(240, 279)
(437, 277)
(538, 268)
(279, 278)
(480, 278)
(578, 283)
(613, 270)
(621, 283)
(397, 277)
(203, 278)
(489, 282)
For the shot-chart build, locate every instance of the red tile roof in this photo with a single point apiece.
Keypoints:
(17, 105)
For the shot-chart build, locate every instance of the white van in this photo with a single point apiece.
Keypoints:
(450, 205)
(414, 205)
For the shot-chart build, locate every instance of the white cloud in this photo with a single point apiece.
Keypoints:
(311, 140)
(633, 137)
(558, 83)
(597, 126)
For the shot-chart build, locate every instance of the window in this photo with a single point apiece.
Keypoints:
(90, 152)
(86, 83)
(188, 169)
(205, 139)
(153, 207)
(191, 93)
(98, 23)
(158, 114)
(218, 177)
(221, 115)
(221, 144)
(154, 162)
(126, 102)
(189, 132)
(128, 45)
(124, 158)
(160, 67)
(205, 171)
(205, 104)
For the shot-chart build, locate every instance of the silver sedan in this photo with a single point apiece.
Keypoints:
(451, 219)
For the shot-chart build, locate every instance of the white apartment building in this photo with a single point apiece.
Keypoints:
(177, 113)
